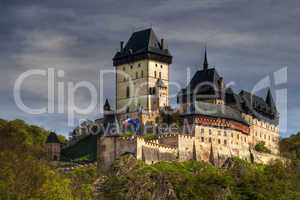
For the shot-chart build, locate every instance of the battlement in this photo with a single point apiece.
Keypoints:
(160, 146)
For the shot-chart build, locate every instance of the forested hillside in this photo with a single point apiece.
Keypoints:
(24, 172)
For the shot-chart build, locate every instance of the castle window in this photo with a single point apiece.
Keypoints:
(161, 66)
(209, 132)
(136, 75)
(225, 134)
(202, 130)
(142, 74)
(139, 65)
(155, 74)
(155, 65)
(202, 139)
(219, 141)
(225, 142)
(238, 136)
(209, 140)
(159, 74)
(219, 132)
(127, 92)
(131, 66)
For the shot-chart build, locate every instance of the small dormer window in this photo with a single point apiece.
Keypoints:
(161, 66)
(155, 65)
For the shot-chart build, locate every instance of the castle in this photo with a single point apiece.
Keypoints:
(217, 122)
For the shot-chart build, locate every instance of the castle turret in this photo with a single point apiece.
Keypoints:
(53, 147)
(139, 65)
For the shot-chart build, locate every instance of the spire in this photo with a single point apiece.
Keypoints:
(270, 101)
(205, 63)
(106, 106)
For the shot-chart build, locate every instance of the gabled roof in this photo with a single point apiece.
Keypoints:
(258, 107)
(143, 44)
(270, 101)
(203, 82)
(232, 99)
(52, 138)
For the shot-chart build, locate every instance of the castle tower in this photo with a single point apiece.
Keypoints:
(139, 65)
(161, 91)
(53, 147)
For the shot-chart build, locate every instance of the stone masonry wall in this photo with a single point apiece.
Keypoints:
(111, 148)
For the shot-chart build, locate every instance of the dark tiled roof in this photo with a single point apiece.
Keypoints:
(258, 107)
(52, 138)
(233, 100)
(107, 105)
(270, 101)
(204, 82)
(215, 110)
(143, 44)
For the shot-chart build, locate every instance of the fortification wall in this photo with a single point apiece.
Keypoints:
(265, 158)
(186, 148)
(169, 139)
(151, 151)
(111, 148)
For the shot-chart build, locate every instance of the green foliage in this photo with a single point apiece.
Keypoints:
(81, 182)
(260, 147)
(25, 173)
(150, 136)
(199, 180)
(84, 150)
(290, 147)
(128, 134)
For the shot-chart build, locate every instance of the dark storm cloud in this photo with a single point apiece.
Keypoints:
(247, 40)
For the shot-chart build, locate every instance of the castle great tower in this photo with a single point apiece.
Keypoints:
(142, 73)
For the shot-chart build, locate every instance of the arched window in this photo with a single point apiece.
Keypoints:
(136, 75)
(155, 74)
(142, 73)
(127, 92)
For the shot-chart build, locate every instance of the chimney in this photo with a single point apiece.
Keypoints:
(162, 45)
(121, 45)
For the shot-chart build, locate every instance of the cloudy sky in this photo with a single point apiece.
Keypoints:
(247, 41)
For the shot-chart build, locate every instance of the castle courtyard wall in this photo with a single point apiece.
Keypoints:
(111, 148)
